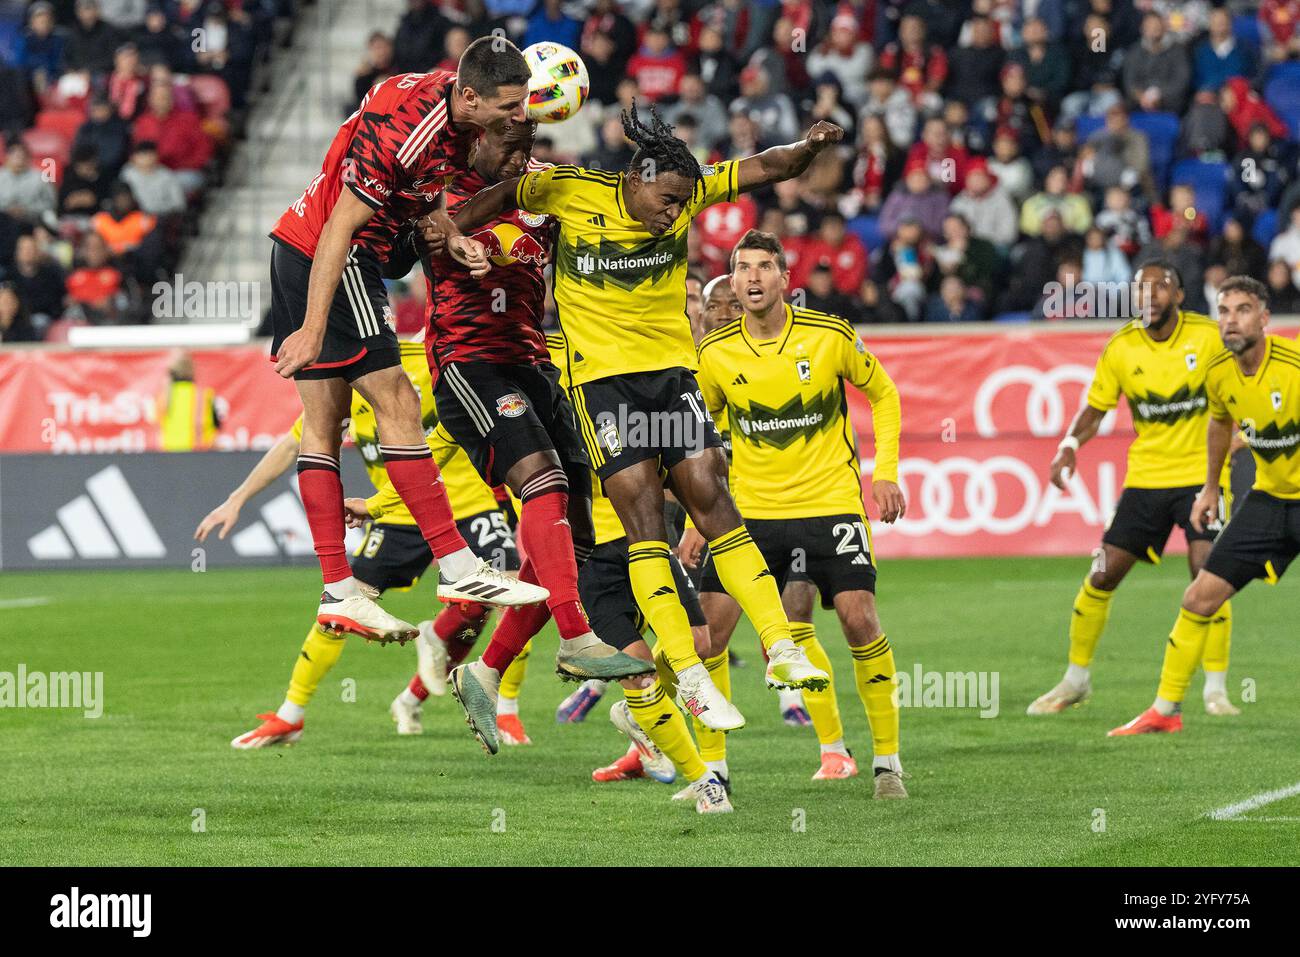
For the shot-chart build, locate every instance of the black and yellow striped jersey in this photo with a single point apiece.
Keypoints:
(1164, 385)
(466, 490)
(620, 291)
(1266, 407)
(794, 450)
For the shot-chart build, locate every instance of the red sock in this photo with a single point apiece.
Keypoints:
(547, 540)
(516, 627)
(322, 497)
(417, 480)
(460, 621)
(417, 688)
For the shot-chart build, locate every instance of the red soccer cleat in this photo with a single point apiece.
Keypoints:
(1149, 721)
(511, 730)
(624, 769)
(836, 766)
(272, 730)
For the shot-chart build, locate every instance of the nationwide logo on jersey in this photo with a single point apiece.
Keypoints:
(1273, 441)
(606, 262)
(511, 405)
(1166, 410)
(781, 427)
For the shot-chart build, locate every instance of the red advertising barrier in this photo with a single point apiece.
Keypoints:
(981, 418)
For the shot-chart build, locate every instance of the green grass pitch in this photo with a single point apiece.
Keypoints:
(188, 660)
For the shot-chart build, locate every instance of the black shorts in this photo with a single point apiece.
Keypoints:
(358, 337)
(1144, 518)
(607, 597)
(395, 556)
(501, 413)
(1260, 541)
(626, 419)
(832, 551)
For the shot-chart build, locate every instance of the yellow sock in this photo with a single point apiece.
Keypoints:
(713, 744)
(875, 674)
(667, 677)
(1219, 641)
(513, 679)
(659, 718)
(318, 655)
(1087, 621)
(656, 595)
(1182, 654)
(746, 578)
(822, 705)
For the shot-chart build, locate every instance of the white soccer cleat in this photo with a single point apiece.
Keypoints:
(1217, 705)
(1064, 695)
(406, 717)
(361, 615)
(653, 761)
(710, 796)
(788, 667)
(700, 697)
(431, 660)
(487, 586)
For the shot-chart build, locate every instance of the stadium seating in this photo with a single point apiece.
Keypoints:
(1161, 130)
(867, 229)
(1265, 227)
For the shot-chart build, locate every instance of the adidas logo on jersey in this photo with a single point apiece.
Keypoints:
(597, 220)
(860, 559)
(740, 380)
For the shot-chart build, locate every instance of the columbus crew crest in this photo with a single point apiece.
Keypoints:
(1276, 398)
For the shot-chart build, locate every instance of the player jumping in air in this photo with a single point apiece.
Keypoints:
(1254, 382)
(1158, 362)
(387, 164)
(779, 371)
(620, 264)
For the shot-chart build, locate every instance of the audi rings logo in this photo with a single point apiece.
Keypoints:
(1047, 410)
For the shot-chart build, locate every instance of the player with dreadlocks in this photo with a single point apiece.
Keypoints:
(620, 292)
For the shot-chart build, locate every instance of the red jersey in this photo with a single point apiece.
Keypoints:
(497, 318)
(396, 153)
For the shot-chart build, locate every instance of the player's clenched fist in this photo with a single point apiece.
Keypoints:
(297, 352)
(470, 254)
(823, 134)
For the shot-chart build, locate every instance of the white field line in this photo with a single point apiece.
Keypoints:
(1234, 812)
(23, 602)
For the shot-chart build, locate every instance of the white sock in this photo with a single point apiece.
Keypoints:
(889, 762)
(788, 698)
(835, 747)
(1078, 675)
(1167, 708)
(408, 699)
(290, 712)
(595, 686)
(507, 705)
(1215, 681)
(458, 564)
(719, 767)
(344, 587)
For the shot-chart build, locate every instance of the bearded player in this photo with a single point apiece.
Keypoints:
(620, 293)
(386, 165)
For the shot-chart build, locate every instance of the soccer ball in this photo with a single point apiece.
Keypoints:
(559, 83)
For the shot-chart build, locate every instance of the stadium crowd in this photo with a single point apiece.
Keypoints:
(115, 116)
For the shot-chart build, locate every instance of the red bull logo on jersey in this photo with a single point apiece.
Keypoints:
(506, 244)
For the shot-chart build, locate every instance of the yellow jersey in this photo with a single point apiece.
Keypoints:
(620, 292)
(793, 445)
(466, 490)
(1164, 385)
(1266, 407)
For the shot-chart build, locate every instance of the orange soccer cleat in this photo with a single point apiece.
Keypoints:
(835, 766)
(1149, 721)
(511, 730)
(625, 768)
(272, 730)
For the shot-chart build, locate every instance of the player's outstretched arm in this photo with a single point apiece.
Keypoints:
(785, 162)
(1085, 425)
(1217, 439)
(486, 205)
(271, 466)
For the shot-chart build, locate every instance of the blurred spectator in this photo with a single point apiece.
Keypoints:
(16, 111)
(876, 307)
(915, 199)
(15, 326)
(773, 113)
(604, 68)
(160, 41)
(1103, 262)
(1185, 256)
(39, 51)
(905, 266)
(844, 54)
(1181, 210)
(657, 67)
(226, 49)
(454, 42)
(155, 187)
(970, 258)
(1279, 29)
(123, 225)
(26, 193)
(1067, 297)
(1156, 72)
(126, 84)
(84, 187)
(1259, 174)
(1244, 108)
(375, 67)
(1012, 170)
(798, 214)
(417, 41)
(716, 65)
(1118, 155)
(1047, 70)
(1286, 246)
(782, 59)
(125, 15)
(1205, 133)
(607, 20)
(1283, 296)
(841, 251)
(1185, 19)
(1073, 208)
(986, 207)
(827, 103)
(613, 153)
(183, 146)
(819, 293)
(944, 162)
(549, 22)
(879, 164)
(1014, 110)
(893, 104)
(710, 115)
(95, 287)
(39, 281)
(106, 134)
(91, 42)
(1061, 150)
(1124, 226)
(951, 304)
(1034, 263)
(1096, 57)
(921, 67)
(1237, 251)
(1219, 56)
(973, 67)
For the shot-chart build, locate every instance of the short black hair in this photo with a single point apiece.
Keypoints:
(1247, 284)
(656, 145)
(1166, 265)
(490, 63)
(767, 242)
